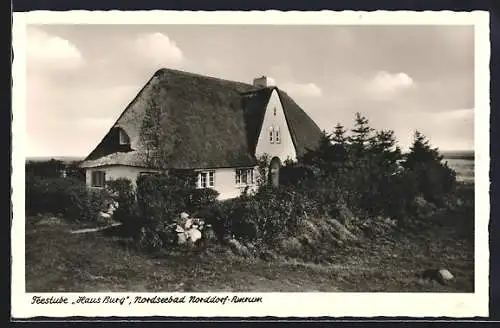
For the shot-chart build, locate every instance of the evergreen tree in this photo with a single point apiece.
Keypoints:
(434, 179)
(421, 151)
(384, 146)
(339, 140)
(338, 136)
(361, 133)
(322, 157)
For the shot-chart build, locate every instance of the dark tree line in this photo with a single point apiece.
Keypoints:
(54, 169)
(367, 170)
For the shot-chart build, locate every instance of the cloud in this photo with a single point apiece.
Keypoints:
(303, 89)
(45, 50)
(385, 84)
(159, 49)
(457, 114)
(372, 74)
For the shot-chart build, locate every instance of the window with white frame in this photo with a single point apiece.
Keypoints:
(277, 135)
(98, 179)
(206, 179)
(244, 177)
(271, 134)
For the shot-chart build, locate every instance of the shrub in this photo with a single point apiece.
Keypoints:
(67, 197)
(73, 170)
(433, 178)
(364, 172)
(127, 212)
(290, 247)
(217, 215)
(201, 198)
(45, 169)
(160, 200)
(261, 217)
(161, 197)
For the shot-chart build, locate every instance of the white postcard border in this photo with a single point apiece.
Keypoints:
(274, 304)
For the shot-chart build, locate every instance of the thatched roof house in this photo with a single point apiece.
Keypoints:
(187, 121)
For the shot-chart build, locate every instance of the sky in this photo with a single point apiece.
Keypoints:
(404, 78)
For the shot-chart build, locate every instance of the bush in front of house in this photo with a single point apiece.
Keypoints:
(368, 172)
(160, 200)
(67, 197)
(122, 192)
(73, 170)
(161, 197)
(260, 218)
(201, 198)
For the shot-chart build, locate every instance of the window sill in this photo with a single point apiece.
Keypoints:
(243, 186)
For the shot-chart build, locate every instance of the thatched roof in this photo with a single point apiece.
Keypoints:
(205, 122)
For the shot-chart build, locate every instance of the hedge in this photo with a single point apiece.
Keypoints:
(67, 197)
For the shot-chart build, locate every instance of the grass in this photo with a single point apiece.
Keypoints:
(57, 260)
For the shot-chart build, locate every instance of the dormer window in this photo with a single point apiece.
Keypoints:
(124, 138)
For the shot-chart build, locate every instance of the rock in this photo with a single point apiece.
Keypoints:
(112, 207)
(444, 276)
(193, 235)
(179, 229)
(181, 238)
(184, 216)
(105, 215)
(198, 223)
(188, 224)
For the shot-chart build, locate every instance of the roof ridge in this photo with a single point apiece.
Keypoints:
(164, 69)
(229, 115)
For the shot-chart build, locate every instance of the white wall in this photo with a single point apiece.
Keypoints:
(225, 183)
(116, 172)
(283, 150)
(224, 178)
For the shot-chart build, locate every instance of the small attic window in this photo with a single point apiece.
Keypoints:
(271, 134)
(274, 111)
(124, 138)
(277, 136)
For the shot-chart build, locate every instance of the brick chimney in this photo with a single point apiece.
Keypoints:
(264, 81)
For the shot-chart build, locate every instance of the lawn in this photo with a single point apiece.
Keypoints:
(57, 260)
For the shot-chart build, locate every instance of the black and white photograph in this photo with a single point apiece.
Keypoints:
(250, 164)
